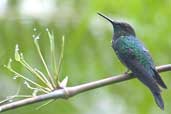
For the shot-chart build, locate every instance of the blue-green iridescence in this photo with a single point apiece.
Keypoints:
(129, 47)
(135, 56)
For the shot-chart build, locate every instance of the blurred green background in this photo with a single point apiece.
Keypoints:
(88, 54)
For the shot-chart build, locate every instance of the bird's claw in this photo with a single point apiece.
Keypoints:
(127, 71)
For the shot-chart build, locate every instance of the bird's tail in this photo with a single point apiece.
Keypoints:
(158, 99)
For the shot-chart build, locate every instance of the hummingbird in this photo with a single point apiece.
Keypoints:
(133, 54)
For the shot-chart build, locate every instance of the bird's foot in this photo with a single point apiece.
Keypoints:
(127, 71)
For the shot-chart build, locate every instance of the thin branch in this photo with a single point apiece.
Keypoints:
(72, 91)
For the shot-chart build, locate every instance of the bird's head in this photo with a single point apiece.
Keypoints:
(120, 28)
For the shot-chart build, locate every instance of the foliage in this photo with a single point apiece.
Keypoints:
(88, 54)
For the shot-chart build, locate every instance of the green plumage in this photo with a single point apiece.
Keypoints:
(131, 48)
(136, 58)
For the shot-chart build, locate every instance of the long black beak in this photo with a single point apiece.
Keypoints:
(107, 18)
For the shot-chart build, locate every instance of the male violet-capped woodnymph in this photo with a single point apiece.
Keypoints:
(132, 53)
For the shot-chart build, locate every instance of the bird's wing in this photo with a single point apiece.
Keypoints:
(159, 79)
(141, 73)
(156, 75)
(137, 58)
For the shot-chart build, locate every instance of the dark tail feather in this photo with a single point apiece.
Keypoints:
(159, 79)
(159, 100)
